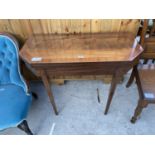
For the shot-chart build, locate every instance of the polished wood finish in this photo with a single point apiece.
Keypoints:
(79, 48)
(149, 48)
(145, 79)
(83, 54)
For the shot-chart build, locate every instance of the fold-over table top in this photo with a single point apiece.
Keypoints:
(76, 48)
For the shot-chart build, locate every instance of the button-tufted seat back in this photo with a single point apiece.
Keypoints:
(9, 62)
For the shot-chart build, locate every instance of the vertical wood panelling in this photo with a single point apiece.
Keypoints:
(106, 25)
(129, 25)
(116, 24)
(36, 26)
(65, 26)
(5, 26)
(86, 26)
(56, 26)
(46, 26)
(25, 27)
(75, 26)
(95, 25)
(17, 28)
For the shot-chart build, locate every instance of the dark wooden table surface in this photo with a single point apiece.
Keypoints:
(81, 54)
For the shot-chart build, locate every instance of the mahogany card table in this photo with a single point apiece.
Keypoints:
(81, 54)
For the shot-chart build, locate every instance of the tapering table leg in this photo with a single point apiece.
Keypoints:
(48, 89)
(111, 92)
(131, 79)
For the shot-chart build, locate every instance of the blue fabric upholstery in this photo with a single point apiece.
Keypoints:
(14, 98)
(9, 64)
(14, 105)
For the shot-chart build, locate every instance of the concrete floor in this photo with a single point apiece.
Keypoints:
(81, 114)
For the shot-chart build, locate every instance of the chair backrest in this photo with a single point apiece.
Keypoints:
(143, 32)
(147, 40)
(9, 62)
(146, 28)
(152, 31)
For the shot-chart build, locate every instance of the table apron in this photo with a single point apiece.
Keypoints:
(84, 69)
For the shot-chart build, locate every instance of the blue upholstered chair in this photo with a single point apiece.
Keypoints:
(15, 100)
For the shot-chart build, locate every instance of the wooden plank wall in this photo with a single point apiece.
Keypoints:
(23, 28)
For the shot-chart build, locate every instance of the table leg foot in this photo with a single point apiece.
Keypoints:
(141, 104)
(133, 120)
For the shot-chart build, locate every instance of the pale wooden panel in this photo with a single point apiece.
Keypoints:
(86, 26)
(98, 25)
(75, 26)
(16, 27)
(36, 26)
(95, 25)
(56, 26)
(116, 24)
(65, 26)
(106, 26)
(26, 27)
(130, 25)
(5, 26)
(46, 26)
